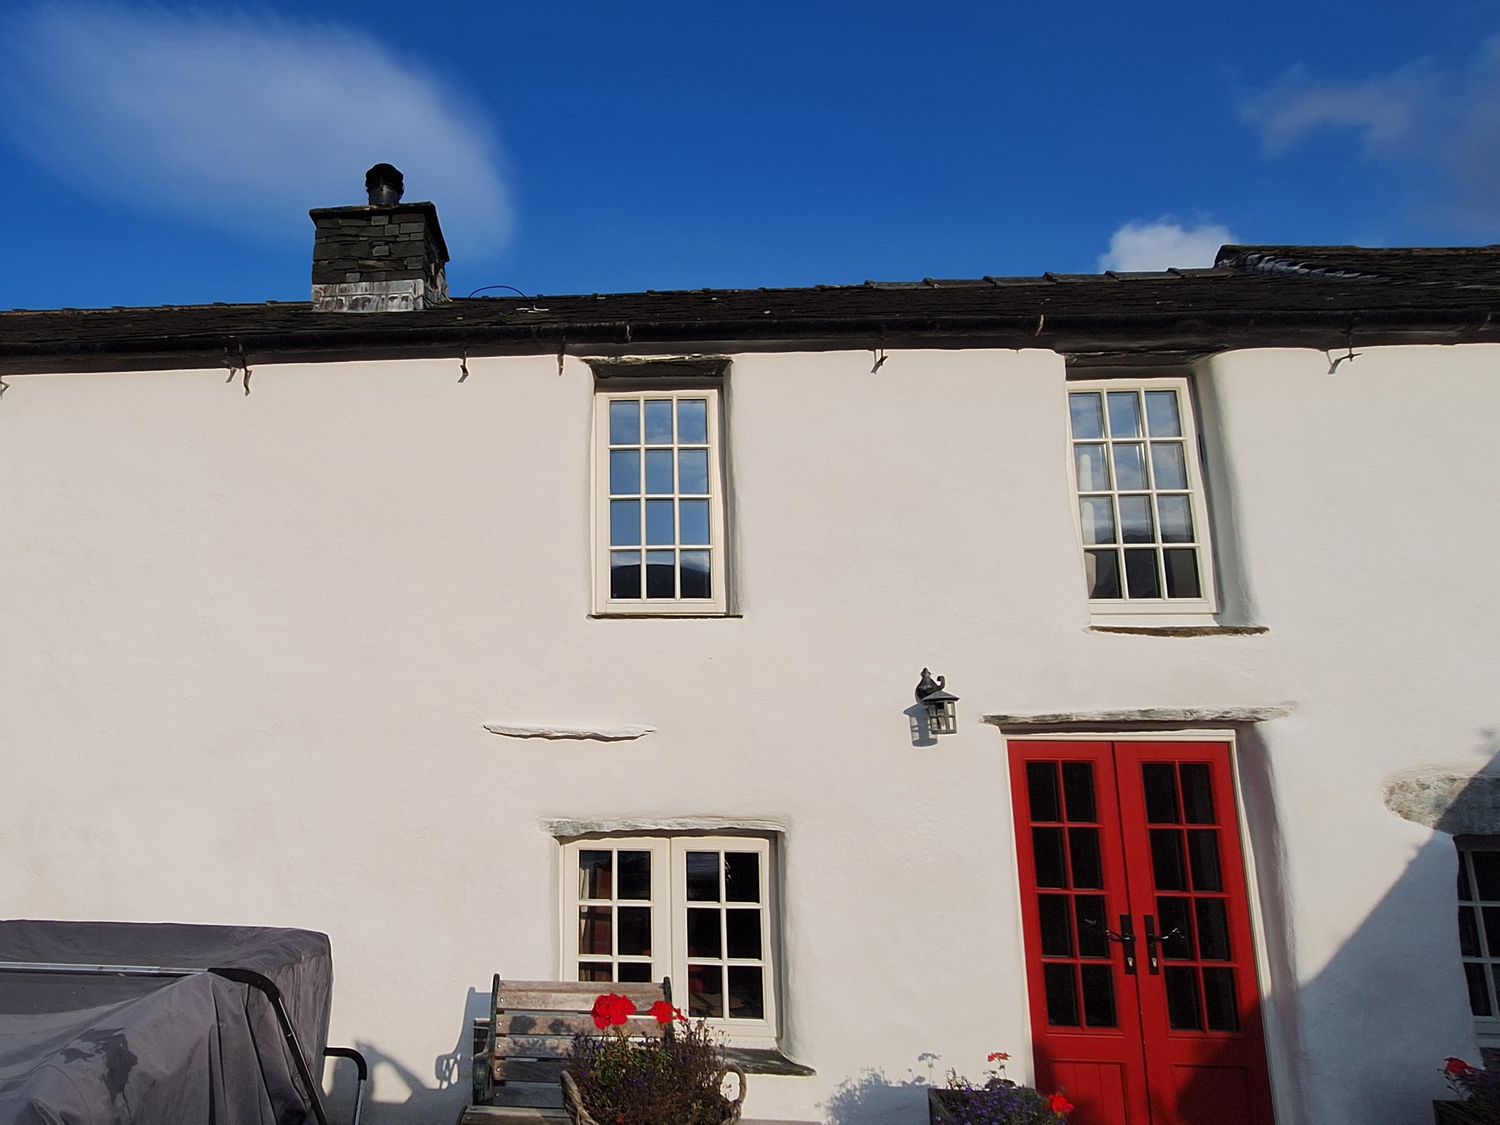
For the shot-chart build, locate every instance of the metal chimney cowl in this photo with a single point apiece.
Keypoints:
(387, 256)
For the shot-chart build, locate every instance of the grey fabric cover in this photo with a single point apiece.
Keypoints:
(110, 1050)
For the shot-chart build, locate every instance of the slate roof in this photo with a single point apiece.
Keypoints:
(1314, 296)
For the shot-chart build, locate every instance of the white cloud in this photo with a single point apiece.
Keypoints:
(242, 122)
(1139, 246)
(1384, 108)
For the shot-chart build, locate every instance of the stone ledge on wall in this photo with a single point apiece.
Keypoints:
(625, 732)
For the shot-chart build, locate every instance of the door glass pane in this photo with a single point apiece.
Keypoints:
(635, 931)
(1124, 414)
(703, 876)
(1098, 996)
(1140, 574)
(1078, 788)
(1197, 794)
(594, 874)
(703, 935)
(1051, 870)
(1057, 927)
(1088, 869)
(1203, 855)
(635, 874)
(747, 993)
(1160, 782)
(1167, 860)
(1088, 417)
(1184, 1005)
(1175, 916)
(705, 991)
(1182, 573)
(1218, 995)
(1062, 995)
(1091, 926)
(1102, 569)
(1213, 930)
(742, 931)
(1161, 414)
(1041, 787)
(741, 877)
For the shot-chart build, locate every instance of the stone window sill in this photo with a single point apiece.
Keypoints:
(766, 1060)
(1182, 630)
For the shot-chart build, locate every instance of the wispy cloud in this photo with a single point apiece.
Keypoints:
(1164, 244)
(239, 121)
(1444, 120)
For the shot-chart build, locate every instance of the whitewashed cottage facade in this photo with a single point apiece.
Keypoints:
(579, 635)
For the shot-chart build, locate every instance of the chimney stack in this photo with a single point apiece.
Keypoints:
(388, 256)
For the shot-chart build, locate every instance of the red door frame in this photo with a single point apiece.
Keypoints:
(1142, 1070)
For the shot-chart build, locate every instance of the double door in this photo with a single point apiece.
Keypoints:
(1139, 959)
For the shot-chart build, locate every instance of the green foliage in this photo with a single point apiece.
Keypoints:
(666, 1081)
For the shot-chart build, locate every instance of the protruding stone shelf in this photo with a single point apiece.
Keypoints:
(623, 733)
(1182, 630)
(1140, 716)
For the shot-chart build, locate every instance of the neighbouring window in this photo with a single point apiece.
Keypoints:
(1141, 512)
(1479, 928)
(659, 512)
(692, 908)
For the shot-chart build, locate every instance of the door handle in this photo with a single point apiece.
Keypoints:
(1126, 938)
(1155, 941)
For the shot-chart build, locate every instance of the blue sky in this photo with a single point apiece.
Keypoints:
(168, 153)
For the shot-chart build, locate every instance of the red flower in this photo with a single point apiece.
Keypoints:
(1456, 1068)
(1059, 1104)
(612, 1010)
(999, 1056)
(663, 1013)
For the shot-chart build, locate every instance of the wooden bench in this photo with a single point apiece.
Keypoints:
(519, 1050)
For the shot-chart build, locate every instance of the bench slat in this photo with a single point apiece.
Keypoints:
(569, 996)
(508, 1069)
(565, 1024)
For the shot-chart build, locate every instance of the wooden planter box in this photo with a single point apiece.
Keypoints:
(1453, 1113)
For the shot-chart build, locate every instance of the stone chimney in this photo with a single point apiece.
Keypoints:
(388, 256)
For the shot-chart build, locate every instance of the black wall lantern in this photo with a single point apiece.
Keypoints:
(941, 716)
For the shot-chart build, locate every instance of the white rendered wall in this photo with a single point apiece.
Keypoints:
(294, 612)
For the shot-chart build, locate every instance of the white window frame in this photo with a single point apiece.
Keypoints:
(669, 919)
(1163, 610)
(604, 604)
(1486, 1028)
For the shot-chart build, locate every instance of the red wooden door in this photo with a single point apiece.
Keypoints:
(1139, 961)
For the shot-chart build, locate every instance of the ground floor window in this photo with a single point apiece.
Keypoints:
(697, 909)
(1479, 928)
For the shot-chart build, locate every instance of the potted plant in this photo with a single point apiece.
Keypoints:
(674, 1077)
(1479, 1096)
(996, 1101)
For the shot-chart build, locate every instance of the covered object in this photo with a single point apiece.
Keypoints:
(119, 1022)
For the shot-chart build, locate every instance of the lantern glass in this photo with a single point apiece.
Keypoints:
(942, 717)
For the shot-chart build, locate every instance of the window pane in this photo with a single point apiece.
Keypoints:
(703, 876)
(742, 933)
(703, 937)
(1124, 414)
(625, 472)
(624, 423)
(1168, 464)
(625, 574)
(1102, 569)
(1176, 519)
(1487, 874)
(692, 421)
(659, 472)
(637, 971)
(624, 523)
(1093, 468)
(658, 422)
(1161, 414)
(661, 575)
(1468, 933)
(705, 991)
(1087, 414)
(747, 993)
(1130, 467)
(696, 581)
(1098, 519)
(635, 930)
(694, 516)
(692, 472)
(635, 874)
(594, 930)
(1140, 574)
(594, 874)
(1182, 573)
(1135, 519)
(661, 526)
(595, 971)
(741, 877)
(1479, 990)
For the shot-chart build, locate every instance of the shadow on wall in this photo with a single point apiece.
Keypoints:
(870, 1098)
(423, 1100)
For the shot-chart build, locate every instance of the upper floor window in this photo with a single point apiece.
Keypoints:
(1141, 511)
(659, 507)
